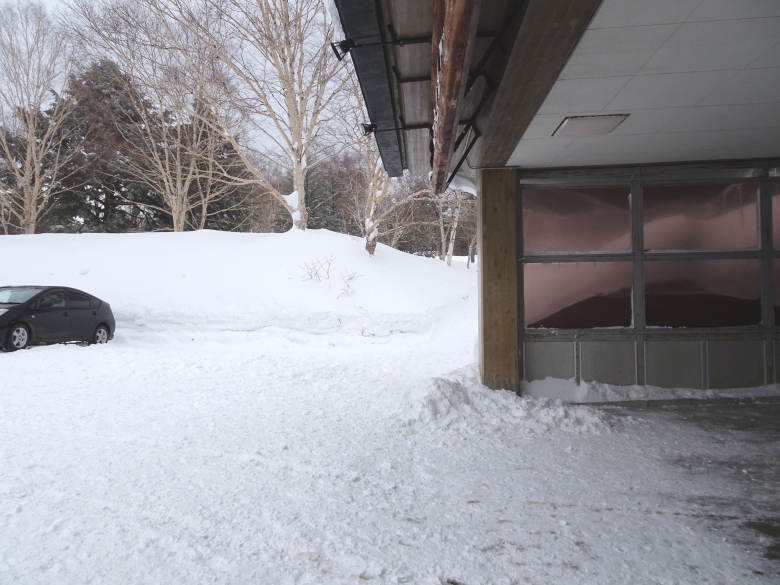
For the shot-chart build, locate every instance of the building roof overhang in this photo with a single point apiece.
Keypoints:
(511, 71)
(433, 75)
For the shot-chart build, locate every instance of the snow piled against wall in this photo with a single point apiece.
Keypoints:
(593, 392)
(460, 399)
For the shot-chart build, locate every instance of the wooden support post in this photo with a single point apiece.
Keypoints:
(499, 348)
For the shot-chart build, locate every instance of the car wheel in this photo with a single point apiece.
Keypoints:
(18, 337)
(101, 335)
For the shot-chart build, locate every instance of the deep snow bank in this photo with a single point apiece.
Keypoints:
(315, 281)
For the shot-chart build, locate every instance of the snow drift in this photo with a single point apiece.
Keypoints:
(459, 399)
(315, 281)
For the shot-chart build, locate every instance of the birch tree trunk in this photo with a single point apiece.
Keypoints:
(472, 245)
(34, 150)
(442, 230)
(453, 231)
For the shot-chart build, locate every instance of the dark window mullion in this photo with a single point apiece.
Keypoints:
(559, 257)
(765, 237)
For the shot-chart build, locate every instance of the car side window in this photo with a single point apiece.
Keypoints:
(78, 300)
(57, 298)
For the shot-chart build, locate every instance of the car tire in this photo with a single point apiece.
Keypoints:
(101, 335)
(18, 337)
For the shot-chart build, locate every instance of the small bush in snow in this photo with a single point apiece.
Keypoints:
(347, 278)
(318, 269)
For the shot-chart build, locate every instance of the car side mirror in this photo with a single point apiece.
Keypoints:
(46, 304)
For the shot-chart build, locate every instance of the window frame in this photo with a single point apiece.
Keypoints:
(72, 293)
(637, 178)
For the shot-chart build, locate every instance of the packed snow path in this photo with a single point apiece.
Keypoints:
(222, 462)
(186, 453)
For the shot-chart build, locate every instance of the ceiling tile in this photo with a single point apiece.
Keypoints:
(732, 9)
(752, 86)
(616, 51)
(649, 121)
(613, 13)
(769, 59)
(543, 126)
(731, 117)
(575, 97)
(715, 45)
(541, 148)
(667, 90)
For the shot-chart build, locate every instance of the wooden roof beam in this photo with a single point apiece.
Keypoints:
(548, 35)
(454, 29)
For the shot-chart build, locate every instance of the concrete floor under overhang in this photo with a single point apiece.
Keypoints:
(733, 462)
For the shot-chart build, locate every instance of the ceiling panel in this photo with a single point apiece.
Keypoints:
(700, 80)
(769, 59)
(666, 90)
(731, 117)
(614, 13)
(715, 45)
(733, 9)
(616, 51)
(584, 95)
(752, 86)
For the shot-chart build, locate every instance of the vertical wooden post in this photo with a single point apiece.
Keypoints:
(499, 348)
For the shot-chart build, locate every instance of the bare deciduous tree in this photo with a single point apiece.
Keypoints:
(36, 146)
(169, 128)
(281, 74)
(377, 208)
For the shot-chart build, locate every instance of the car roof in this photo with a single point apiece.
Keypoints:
(45, 288)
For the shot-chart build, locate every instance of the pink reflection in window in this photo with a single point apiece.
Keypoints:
(702, 293)
(699, 217)
(576, 220)
(578, 295)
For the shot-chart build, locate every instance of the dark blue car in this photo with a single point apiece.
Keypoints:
(31, 315)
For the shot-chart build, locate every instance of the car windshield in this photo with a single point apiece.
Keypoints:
(14, 296)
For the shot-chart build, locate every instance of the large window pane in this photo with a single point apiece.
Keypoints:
(702, 293)
(576, 220)
(776, 275)
(774, 187)
(578, 295)
(689, 217)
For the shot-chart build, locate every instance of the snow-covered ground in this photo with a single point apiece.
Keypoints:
(250, 424)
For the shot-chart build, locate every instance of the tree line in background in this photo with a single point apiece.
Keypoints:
(150, 115)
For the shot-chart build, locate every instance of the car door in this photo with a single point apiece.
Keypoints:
(84, 317)
(52, 319)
